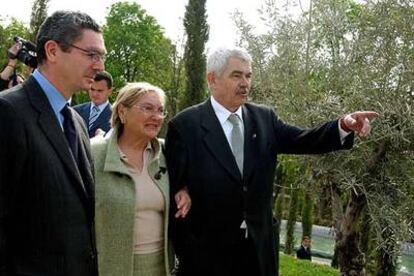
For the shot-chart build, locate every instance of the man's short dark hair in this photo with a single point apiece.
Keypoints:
(306, 238)
(103, 75)
(65, 27)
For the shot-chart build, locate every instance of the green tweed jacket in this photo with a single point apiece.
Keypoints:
(115, 205)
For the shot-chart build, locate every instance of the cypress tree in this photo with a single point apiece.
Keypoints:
(290, 226)
(307, 217)
(196, 27)
(279, 207)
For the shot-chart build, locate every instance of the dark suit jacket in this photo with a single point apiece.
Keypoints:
(200, 157)
(103, 121)
(304, 254)
(46, 200)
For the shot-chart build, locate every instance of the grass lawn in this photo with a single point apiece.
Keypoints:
(289, 266)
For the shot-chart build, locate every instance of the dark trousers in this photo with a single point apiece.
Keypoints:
(220, 259)
(246, 257)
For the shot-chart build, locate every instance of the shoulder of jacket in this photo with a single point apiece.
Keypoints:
(99, 145)
(257, 106)
(13, 95)
(191, 113)
(80, 106)
(261, 109)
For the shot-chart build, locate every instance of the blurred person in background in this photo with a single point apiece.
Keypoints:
(97, 113)
(304, 251)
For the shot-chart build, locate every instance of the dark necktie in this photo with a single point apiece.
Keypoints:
(70, 132)
(237, 140)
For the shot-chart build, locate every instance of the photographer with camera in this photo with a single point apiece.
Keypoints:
(24, 51)
(8, 77)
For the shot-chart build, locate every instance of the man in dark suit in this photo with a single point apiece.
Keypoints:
(46, 176)
(304, 251)
(225, 152)
(97, 113)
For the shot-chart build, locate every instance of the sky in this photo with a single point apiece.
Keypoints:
(169, 14)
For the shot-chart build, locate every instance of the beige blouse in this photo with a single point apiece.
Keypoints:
(149, 209)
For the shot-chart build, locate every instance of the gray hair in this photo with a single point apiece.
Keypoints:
(65, 27)
(219, 59)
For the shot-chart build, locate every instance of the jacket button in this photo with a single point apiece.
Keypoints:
(92, 255)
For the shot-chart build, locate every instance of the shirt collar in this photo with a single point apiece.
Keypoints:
(56, 99)
(222, 113)
(148, 154)
(101, 106)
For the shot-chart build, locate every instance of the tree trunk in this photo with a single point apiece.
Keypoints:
(366, 242)
(350, 258)
(387, 257)
(387, 265)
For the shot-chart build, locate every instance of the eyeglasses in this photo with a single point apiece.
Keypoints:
(151, 110)
(93, 55)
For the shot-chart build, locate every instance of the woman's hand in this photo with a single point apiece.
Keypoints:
(183, 201)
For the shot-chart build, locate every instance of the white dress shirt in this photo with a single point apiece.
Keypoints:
(223, 114)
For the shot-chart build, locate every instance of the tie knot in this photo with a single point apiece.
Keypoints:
(95, 108)
(234, 119)
(65, 111)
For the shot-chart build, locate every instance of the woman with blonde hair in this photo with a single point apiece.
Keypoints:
(132, 190)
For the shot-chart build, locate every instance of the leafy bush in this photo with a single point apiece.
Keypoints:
(289, 266)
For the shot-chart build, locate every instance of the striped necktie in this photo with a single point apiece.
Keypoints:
(93, 116)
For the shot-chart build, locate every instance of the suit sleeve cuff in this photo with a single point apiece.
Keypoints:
(342, 133)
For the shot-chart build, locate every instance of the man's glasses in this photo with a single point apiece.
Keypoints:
(93, 55)
(151, 110)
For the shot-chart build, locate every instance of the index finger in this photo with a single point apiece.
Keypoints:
(367, 114)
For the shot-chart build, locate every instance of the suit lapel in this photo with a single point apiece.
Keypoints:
(251, 149)
(50, 126)
(85, 166)
(216, 141)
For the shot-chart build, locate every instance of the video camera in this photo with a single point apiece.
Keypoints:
(27, 54)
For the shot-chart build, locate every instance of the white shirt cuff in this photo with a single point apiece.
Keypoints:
(342, 133)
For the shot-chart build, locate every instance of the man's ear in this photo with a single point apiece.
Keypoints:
(51, 50)
(211, 79)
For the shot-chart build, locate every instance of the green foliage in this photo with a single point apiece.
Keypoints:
(341, 57)
(7, 33)
(39, 14)
(196, 27)
(137, 48)
(80, 97)
(290, 226)
(278, 213)
(307, 218)
(290, 266)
